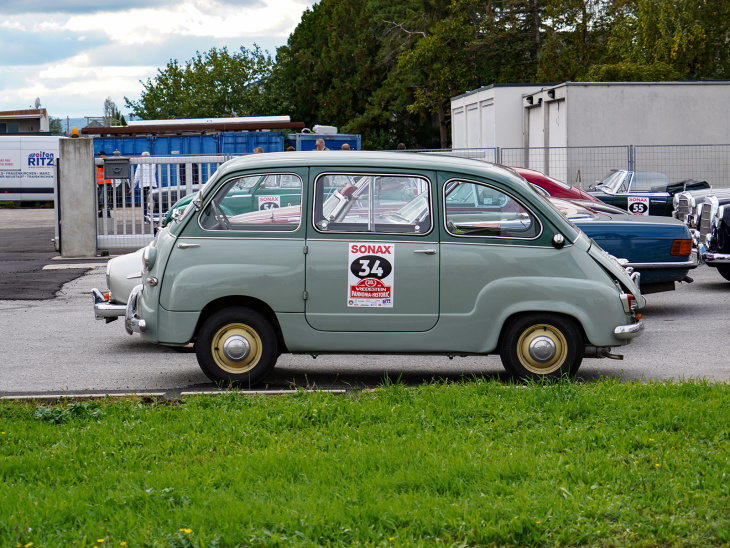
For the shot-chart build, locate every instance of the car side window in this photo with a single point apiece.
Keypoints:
(286, 180)
(236, 205)
(372, 203)
(476, 209)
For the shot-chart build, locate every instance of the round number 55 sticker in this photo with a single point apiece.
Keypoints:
(638, 205)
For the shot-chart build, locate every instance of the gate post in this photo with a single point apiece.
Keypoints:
(76, 198)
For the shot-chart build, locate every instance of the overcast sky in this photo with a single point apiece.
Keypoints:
(73, 54)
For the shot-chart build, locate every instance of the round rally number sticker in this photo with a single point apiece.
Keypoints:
(370, 276)
(371, 266)
(638, 206)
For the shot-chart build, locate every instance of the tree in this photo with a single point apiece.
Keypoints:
(112, 116)
(337, 63)
(217, 83)
(56, 126)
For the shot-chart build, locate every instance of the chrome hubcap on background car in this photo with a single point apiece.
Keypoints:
(542, 349)
(236, 348)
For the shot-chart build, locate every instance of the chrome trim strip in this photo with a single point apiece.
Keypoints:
(628, 332)
(502, 244)
(662, 266)
(219, 237)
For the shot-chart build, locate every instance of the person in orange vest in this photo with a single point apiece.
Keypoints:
(104, 187)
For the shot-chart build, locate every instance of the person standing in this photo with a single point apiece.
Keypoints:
(319, 143)
(104, 187)
(145, 178)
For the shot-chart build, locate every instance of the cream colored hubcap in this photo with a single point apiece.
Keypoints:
(542, 349)
(236, 348)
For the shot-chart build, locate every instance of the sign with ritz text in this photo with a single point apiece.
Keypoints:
(371, 271)
(28, 167)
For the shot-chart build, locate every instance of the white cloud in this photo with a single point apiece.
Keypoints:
(77, 59)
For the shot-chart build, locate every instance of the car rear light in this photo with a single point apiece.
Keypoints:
(681, 248)
(629, 303)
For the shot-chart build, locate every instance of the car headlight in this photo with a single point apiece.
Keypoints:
(148, 257)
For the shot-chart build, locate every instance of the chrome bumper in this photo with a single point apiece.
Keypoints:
(714, 259)
(628, 332)
(131, 323)
(104, 310)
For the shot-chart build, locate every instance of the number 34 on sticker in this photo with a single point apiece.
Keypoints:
(370, 275)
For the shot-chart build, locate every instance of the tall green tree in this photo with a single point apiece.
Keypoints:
(693, 37)
(112, 116)
(216, 83)
(56, 126)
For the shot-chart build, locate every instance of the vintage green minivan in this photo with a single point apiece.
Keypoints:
(383, 252)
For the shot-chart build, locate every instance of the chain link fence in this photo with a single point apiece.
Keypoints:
(128, 220)
(583, 166)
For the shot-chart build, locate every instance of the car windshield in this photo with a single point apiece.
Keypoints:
(613, 181)
(561, 184)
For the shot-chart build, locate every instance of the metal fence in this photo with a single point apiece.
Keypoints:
(129, 213)
(128, 220)
(583, 166)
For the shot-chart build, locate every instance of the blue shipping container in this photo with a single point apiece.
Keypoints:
(307, 141)
(229, 142)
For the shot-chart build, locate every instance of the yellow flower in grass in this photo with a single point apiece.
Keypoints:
(186, 530)
(122, 543)
(100, 540)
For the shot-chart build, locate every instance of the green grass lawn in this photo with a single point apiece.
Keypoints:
(471, 464)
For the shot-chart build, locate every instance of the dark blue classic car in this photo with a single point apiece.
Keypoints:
(642, 192)
(659, 248)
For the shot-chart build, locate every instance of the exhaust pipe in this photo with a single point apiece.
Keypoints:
(601, 352)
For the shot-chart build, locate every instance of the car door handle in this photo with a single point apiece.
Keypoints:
(185, 246)
(426, 251)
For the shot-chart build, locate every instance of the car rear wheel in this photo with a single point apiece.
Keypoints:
(237, 346)
(724, 271)
(542, 346)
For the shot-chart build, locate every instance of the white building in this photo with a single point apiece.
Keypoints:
(485, 118)
(24, 121)
(556, 126)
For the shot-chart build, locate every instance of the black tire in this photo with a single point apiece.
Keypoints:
(236, 346)
(724, 270)
(542, 346)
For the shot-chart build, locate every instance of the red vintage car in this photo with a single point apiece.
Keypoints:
(553, 187)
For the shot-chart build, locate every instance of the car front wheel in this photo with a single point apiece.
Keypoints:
(236, 346)
(542, 346)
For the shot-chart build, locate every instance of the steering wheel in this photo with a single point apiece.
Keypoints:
(219, 216)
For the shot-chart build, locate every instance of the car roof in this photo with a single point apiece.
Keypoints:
(370, 159)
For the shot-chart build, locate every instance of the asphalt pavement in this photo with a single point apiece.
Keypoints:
(26, 247)
(51, 344)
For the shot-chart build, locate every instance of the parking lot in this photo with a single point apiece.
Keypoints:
(55, 346)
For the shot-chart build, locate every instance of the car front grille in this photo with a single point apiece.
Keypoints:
(684, 207)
